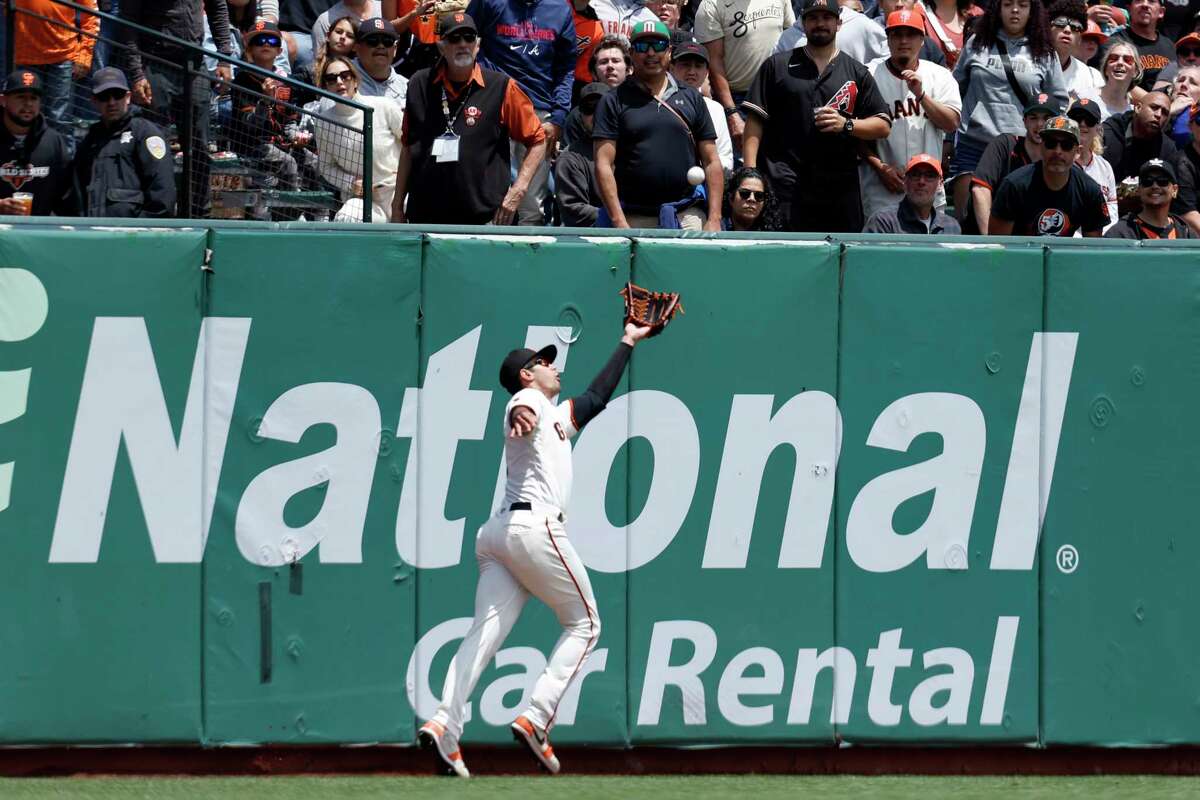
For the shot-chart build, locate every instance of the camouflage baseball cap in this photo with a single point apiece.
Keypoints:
(1061, 125)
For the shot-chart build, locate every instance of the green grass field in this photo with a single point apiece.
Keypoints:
(587, 788)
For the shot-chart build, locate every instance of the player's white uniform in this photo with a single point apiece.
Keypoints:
(527, 552)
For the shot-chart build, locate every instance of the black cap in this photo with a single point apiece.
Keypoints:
(23, 80)
(514, 362)
(596, 90)
(1088, 109)
(109, 78)
(692, 48)
(375, 26)
(1043, 103)
(455, 21)
(261, 27)
(1157, 166)
(820, 5)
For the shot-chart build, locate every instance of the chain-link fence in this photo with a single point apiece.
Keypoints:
(247, 142)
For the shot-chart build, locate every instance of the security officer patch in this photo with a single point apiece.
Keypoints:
(156, 146)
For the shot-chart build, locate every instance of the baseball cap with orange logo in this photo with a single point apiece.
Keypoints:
(22, 80)
(455, 21)
(904, 18)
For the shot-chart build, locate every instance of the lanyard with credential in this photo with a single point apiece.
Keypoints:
(445, 147)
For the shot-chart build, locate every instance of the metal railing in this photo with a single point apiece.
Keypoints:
(247, 150)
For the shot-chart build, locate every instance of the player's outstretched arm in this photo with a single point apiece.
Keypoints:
(599, 391)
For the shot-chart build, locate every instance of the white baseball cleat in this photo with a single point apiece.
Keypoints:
(538, 743)
(433, 736)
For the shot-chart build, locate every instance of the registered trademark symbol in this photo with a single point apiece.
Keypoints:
(1067, 558)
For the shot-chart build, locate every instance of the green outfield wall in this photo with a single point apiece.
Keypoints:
(869, 491)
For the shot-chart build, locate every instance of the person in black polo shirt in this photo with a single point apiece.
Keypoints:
(647, 136)
(454, 161)
(1157, 187)
(808, 108)
(1052, 197)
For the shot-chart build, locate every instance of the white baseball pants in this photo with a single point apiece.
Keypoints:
(523, 553)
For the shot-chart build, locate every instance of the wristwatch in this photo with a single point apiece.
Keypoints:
(848, 128)
(730, 111)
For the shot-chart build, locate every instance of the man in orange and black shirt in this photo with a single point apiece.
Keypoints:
(1157, 187)
(454, 163)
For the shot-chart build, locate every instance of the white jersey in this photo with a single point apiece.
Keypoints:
(539, 463)
(912, 132)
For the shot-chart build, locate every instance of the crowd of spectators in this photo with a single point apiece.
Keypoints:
(898, 116)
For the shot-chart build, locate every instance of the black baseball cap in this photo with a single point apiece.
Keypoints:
(109, 78)
(820, 5)
(22, 80)
(455, 21)
(1157, 166)
(515, 361)
(1088, 109)
(262, 27)
(593, 90)
(1044, 104)
(690, 48)
(375, 26)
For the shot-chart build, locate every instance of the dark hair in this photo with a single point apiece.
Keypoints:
(609, 42)
(1071, 9)
(1037, 29)
(770, 218)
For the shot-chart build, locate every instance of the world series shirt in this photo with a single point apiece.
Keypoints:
(539, 463)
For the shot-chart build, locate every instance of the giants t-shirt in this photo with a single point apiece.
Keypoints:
(1036, 210)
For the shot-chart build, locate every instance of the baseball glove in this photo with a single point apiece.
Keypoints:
(645, 308)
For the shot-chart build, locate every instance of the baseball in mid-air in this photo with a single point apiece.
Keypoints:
(695, 176)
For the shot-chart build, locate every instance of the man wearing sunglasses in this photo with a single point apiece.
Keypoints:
(1050, 197)
(1157, 188)
(374, 51)
(649, 133)
(123, 166)
(1068, 21)
(523, 550)
(459, 120)
(1187, 54)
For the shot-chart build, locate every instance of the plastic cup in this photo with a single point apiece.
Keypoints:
(26, 201)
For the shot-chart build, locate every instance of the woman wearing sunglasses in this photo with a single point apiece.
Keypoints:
(750, 205)
(339, 143)
(1122, 70)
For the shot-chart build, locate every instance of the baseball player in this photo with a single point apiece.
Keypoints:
(523, 550)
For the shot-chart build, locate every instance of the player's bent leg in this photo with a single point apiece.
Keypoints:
(499, 599)
(433, 736)
(547, 564)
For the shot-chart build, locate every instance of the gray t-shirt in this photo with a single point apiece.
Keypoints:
(749, 28)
